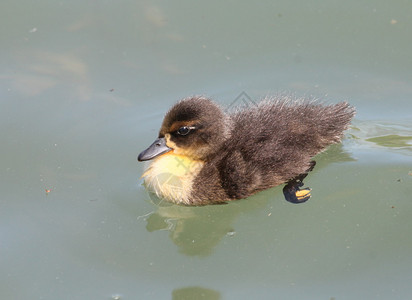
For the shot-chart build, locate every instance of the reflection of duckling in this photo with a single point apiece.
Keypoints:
(205, 156)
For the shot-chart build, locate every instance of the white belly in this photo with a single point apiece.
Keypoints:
(171, 177)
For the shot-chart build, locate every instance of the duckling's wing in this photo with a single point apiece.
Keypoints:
(297, 126)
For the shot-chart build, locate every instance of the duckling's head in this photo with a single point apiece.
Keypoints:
(194, 127)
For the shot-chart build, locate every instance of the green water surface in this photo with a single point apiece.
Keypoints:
(84, 86)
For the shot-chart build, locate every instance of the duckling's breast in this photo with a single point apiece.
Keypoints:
(171, 177)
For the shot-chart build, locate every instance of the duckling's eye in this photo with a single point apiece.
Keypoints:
(184, 130)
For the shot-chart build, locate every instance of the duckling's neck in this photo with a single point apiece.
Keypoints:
(171, 176)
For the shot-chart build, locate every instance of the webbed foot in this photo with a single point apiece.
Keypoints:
(294, 194)
(292, 190)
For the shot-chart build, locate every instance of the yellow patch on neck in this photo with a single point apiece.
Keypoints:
(171, 176)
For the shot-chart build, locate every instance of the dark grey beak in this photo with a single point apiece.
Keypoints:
(157, 148)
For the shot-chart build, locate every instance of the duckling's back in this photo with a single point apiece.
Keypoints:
(275, 140)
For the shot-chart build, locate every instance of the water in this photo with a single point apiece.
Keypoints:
(84, 86)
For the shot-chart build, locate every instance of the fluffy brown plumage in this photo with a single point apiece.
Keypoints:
(205, 156)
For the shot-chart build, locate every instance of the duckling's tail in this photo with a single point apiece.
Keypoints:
(332, 121)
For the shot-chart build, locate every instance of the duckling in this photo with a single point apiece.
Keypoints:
(205, 156)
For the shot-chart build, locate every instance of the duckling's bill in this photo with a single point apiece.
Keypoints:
(158, 147)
